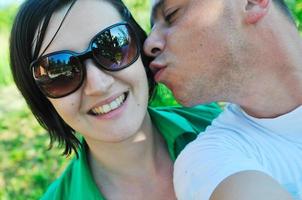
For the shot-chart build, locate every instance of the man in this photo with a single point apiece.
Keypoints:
(249, 53)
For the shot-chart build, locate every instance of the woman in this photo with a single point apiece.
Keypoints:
(79, 65)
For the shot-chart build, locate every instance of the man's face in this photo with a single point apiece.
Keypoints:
(195, 45)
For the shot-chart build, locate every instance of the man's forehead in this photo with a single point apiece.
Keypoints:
(153, 2)
(157, 6)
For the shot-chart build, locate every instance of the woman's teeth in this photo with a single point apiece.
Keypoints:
(106, 108)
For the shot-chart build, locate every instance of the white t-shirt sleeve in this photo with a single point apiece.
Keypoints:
(207, 161)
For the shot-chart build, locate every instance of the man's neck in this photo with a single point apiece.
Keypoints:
(276, 84)
(275, 96)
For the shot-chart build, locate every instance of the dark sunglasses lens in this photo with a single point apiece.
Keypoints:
(115, 48)
(58, 75)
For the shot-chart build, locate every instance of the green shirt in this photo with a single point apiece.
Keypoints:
(178, 126)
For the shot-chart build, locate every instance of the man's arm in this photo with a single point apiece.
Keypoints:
(250, 185)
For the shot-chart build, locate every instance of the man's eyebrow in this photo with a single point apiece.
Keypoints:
(155, 9)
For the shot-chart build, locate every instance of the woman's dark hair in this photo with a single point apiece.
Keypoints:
(32, 17)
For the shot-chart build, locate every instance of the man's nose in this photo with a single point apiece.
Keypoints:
(155, 43)
(97, 81)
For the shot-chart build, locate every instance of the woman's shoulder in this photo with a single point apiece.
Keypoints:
(76, 182)
(50, 194)
(59, 187)
(181, 125)
(206, 111)
(196, 118)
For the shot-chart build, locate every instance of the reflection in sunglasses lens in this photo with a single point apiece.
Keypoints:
(59, 74)
(111, 48)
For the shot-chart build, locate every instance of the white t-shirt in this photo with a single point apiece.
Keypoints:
(238, 142)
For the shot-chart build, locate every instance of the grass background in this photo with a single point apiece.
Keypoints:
(26, 165)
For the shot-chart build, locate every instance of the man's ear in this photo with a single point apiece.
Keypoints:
(256, 10)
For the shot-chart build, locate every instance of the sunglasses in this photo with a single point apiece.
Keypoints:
(61, 73)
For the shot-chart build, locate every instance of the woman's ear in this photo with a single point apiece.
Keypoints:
(255, 10)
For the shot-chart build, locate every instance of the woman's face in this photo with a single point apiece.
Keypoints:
(121, 96)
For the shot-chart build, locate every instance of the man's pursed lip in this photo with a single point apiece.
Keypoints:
(157, 69)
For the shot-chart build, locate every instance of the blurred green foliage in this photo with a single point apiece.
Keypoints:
(6, 18)
(140, 10)
(296, 9)
(27, 167)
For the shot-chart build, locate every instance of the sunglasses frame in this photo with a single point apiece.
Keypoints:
(88, 54)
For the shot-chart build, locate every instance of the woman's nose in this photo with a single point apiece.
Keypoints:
(97, 81)
(155, 43)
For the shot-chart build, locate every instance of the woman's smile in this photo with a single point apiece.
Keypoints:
(110, 108)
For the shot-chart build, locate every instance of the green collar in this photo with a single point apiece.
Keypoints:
(174, 128)
(177, 125)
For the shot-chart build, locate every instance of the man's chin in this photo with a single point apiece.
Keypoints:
(182, 96)
(187, 100)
